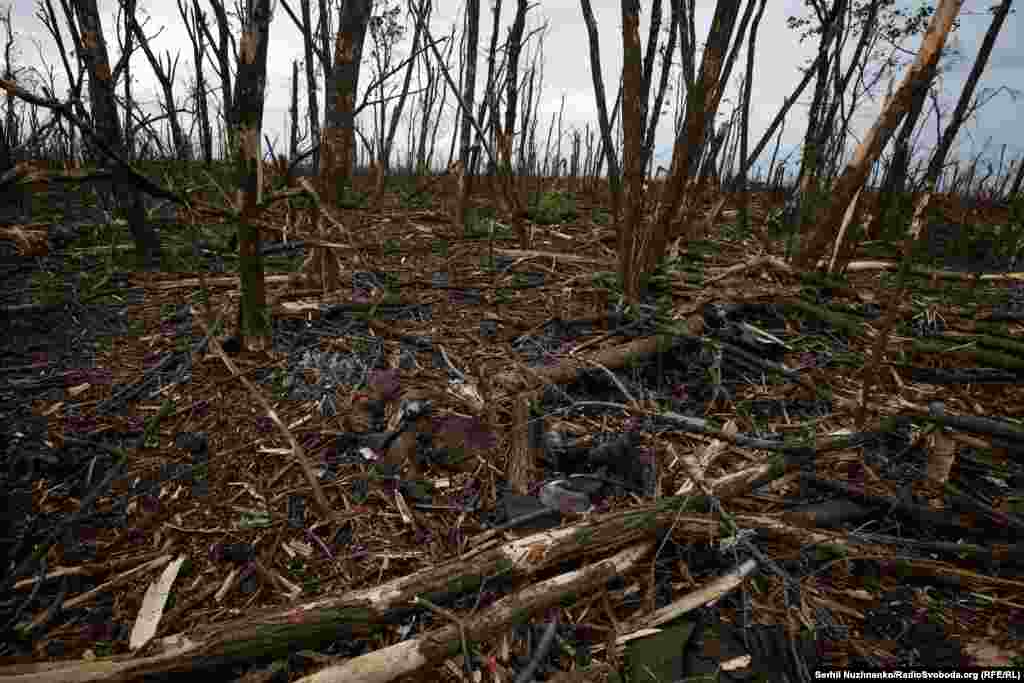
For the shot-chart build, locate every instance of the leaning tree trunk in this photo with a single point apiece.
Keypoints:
(896, 177)
(701, 102)
(108, 127)
(338, 146)
(605, 124)
(250, 82)
(960, 113)
(857, 170)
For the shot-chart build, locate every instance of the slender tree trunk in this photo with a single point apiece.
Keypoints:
(1015, 188)
(701, 100)
(338, 146)
(253, 313)
(889, 195)
(468, 96)
(960, 113)
(108, 126)
(745, 120)
(310, 64)
(614, 174)
(633, 235)
(400, 106)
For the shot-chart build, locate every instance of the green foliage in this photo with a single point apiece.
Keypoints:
(411, 198)
(352, 199)
(49, 287)
(600, 216)
(552, 207)
(481, 224)
(998, 242)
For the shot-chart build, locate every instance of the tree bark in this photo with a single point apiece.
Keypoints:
(338, 146)
(745, 121)
(634, 236)
(468, 99)
(608, 144)
(700, 102)
(107, 124)
(253, 313)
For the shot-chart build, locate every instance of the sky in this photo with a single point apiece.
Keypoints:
(567, 69)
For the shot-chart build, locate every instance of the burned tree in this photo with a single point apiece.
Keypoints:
(107, 123)
(253, 313)
(856, 172)
(338, 145)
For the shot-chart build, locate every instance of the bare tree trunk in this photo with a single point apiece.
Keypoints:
(165, 76)
(193, 25)
(699, 107)
(389, 141)
(313, 106)
(514, 50)
(731, 59)
(633, 235)
(817, 128)
(293, 137)
(745, 121)
(338, 146)
(225, 42)
(614, 174)
(892, 188)
(659, 98)
(1015, 188)
(857, 170)
(253, 312)
(468, 97)
(108, 127)
(960, 113)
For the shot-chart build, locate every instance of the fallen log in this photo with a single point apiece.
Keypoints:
(408, 656)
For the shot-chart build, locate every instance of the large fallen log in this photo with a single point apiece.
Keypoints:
(407, 656)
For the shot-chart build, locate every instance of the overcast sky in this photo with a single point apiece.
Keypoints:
(567, 68)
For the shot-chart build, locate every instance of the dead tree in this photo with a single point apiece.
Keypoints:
(338, 146)
(856, 172)
(896, 175)
(741, 178)
(999, 14)
(468, 98)
(253, 313)
(108, 127)
(396, 115)
(165, 76)
(224, 49)
(815, 116)
(603, 121)
(194, 23)
(634, 237)
(515, 48)
(1014, 191)
(702, 101)
(313, 108)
